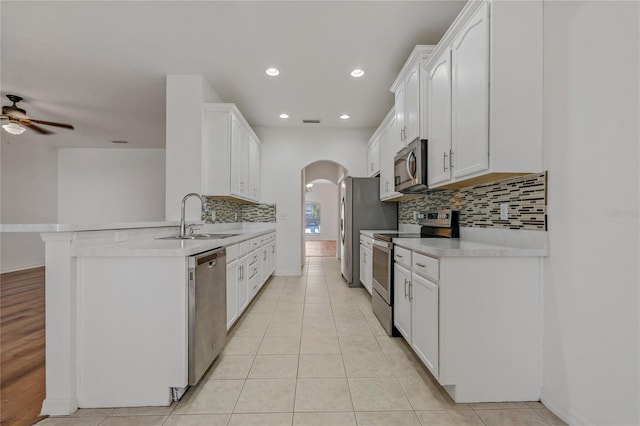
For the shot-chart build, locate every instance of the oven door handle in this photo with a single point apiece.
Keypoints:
(383, 245)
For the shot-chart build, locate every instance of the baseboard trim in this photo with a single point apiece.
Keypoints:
(58, 407)
(568, 414)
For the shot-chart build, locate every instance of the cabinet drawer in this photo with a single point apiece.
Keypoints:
(428, 267)
(255, 243)
(232, 253)
(253, 271)
(402, 256)
(253, 258)
(243, 248)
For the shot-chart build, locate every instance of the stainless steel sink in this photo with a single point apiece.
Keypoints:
(199, 237)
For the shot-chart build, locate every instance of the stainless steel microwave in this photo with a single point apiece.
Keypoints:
(410, 168)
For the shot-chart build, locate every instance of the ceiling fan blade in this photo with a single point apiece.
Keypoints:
(38, 129)
(47, 123)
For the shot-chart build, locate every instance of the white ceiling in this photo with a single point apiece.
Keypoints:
(101, 66)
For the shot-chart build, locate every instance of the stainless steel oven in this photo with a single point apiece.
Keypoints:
(382, 259)
(381, 296)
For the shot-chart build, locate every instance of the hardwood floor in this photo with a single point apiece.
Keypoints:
(22, 350)
(322, 248)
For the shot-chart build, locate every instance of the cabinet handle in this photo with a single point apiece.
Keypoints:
(405, 288)
(410, 290)
(420, 265)
(386, 187)
(399, 256)
(402, 134)
(451, 159)
(444, 162)
(371, 166)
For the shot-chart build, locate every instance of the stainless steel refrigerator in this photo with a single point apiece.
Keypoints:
(361, 208)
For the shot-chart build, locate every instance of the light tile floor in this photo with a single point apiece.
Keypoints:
(309, 351)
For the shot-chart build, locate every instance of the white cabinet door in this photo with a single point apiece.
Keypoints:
(366, 268)
(363, 265)
(389, 141)
(412, 105)
(470, 96)
(271, 258)
(373, 158)
(254, 170)
(400, 113)
(439, 145)
(232, 293)
(264, 268)
(401, 302)
(243, 284)
(239, 159)
(424, 318)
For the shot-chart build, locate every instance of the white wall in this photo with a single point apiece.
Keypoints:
(29, 195)
(327, 195)
(111, 185)
(186, 95)
(591, 279)
(285, 152)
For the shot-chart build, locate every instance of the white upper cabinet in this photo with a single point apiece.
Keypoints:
(231, 155)
(470, 96)
(388, 144)
(439, 104)
(400, 96)
(484, 95)
(373, 157)
(408, 97)
(412, 104)
(254, 169)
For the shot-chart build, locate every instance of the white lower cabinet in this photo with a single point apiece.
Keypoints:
(401, 301)
(249, 266)
(232, 293)
(474, 322)
(424, 337)
(366, 268)
(243, 284)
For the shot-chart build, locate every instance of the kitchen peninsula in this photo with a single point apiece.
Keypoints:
(74, 255)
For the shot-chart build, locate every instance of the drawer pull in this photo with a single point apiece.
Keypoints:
(421, 265)
(399, 255)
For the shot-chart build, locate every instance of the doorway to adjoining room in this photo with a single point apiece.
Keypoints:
(321, 218)
(320, 209)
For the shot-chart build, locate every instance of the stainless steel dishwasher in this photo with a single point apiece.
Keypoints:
(207, 310)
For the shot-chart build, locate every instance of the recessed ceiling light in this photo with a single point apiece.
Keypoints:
(357, 73)
(344, 117)
(272, 72)
(283, 115)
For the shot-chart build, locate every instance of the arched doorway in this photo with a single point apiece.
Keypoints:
(320, 208)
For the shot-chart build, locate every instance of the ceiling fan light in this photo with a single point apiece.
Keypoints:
(14, 128)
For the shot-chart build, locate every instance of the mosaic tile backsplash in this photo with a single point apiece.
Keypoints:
(480, 205)
(231, 212)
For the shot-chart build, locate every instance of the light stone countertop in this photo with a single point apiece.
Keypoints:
(369, 233)
(73, 227)
(169, 247)
(442, 247)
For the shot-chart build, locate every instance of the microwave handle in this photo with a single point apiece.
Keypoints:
(408, 163)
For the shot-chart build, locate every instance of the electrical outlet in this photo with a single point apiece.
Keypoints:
(121, 236)
(504, 211)
(235, 217)
(213, 215)
(415, 215)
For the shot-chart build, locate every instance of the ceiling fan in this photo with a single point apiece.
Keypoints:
(18, 117)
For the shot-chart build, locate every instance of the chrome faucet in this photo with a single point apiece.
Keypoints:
(183, 227)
